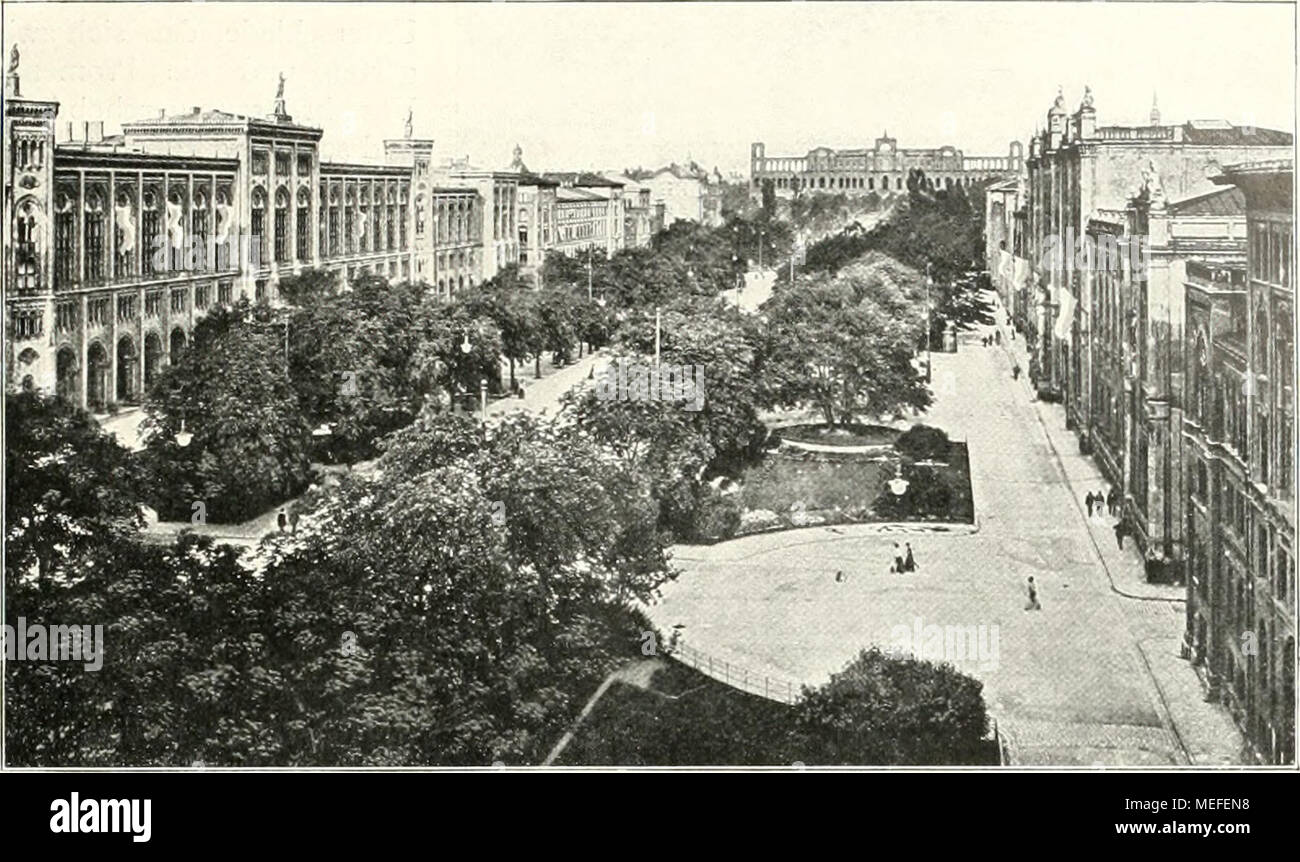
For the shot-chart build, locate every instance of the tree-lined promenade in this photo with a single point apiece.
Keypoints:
(458, 603)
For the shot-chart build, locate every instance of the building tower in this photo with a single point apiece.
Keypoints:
(417, 154)
(1155, 110)
(28, 253)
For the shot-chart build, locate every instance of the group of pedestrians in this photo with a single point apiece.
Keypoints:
(1108, 504)
(1099, 503)
(903, 562)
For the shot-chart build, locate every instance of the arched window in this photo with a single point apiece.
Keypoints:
(303, 237)
(27, 256)
(281, 226)
(93, 238)
(199, 228)
(258, 228)
(65, 239)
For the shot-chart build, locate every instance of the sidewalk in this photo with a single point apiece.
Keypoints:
(543, 396)
(1126, 569)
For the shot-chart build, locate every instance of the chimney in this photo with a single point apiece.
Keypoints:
(162, 113)
(67, 131)
(96, 133)
(196, 110)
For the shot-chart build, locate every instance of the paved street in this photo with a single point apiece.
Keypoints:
(1093, 677)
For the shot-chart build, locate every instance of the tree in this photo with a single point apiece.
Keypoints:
(185, 675)
(68, 485)
(896, 711)
(845, 354)
(514, 308)
(309, 287)
(250, 437)
(769, 200)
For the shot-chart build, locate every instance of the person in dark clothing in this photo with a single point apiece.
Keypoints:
(1088, 501)
(1015, 371)
(898, 559)
(1120, 532)
(909, 564)
(1112, 500)
(997, 336)
(281, 520)
(1032, 588)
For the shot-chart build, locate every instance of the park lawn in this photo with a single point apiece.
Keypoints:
(803, 490)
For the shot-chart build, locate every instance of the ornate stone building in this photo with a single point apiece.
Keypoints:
(588, 213)
(118, 244)
(1240, 440)
(881, 168)
(1076, 170)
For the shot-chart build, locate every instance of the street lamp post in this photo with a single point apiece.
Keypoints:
(482, 397)
(898, 485)
(657, 324)
(183, 437)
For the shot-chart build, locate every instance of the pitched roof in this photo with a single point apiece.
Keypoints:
(570, 194)
(1218, 132)
(1218, 202)
(580, 178)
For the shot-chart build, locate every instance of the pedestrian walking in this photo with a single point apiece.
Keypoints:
(839, 576)
(909, 564)
(1120, 530)
(898, 559)
(1088, 500)
(281, 520)
(997, 336)
(293, 520)
(1101, 503)
(1033, 604)
(1111, 497)
(1015, 371)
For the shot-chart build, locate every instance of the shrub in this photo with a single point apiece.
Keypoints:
(717, 517)
(923, 442)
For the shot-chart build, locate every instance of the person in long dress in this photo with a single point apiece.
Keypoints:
(1033, 604)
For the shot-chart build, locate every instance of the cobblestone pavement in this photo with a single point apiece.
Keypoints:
(1093, 678)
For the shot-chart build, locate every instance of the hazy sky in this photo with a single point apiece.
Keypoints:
(614, 85)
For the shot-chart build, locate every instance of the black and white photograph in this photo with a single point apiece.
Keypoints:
(592, 387)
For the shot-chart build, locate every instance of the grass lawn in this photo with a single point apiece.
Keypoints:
(794, 490)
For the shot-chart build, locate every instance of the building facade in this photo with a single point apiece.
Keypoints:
(881, 168)
(1239, 436)
(1076, 170)
(638, 211)
(121, 243)
(687, 193)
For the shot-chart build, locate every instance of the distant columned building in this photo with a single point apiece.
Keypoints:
(882, 168)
